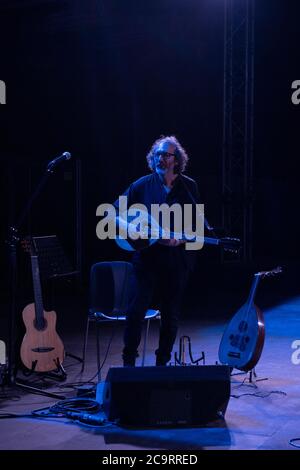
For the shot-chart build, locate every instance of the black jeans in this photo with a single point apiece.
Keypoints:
(163, 269)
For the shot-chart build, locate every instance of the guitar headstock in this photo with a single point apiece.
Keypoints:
(273, 272)
(230, 244)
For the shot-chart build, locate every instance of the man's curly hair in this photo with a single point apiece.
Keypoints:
(180, 154)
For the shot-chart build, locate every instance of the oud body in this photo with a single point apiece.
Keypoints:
(243, 340)
(42, 349)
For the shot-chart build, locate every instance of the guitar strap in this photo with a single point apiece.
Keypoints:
(207, 225)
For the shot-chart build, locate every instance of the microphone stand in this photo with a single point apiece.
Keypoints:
(11, 242)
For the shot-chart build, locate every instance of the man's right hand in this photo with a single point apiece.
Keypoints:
(172, 242)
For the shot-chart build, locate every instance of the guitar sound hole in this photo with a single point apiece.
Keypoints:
(41, 324)
(243, 326)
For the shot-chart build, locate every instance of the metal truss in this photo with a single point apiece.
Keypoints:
(237, 168)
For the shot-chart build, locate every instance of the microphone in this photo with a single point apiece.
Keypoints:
(64, 156)
(86, 418)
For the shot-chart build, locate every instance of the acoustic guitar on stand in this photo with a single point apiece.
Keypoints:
(243, 340)
(42, 350)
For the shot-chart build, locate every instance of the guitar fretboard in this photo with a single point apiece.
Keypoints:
(38, 299)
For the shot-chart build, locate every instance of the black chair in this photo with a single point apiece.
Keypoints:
(110, 292)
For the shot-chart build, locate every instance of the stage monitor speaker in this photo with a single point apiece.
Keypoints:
(166, 396)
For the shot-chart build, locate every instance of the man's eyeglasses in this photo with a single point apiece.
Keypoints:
(161, 153)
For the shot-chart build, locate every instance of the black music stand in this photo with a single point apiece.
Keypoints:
(53, 261)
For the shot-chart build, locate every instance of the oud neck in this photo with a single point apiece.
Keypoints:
(253, 289)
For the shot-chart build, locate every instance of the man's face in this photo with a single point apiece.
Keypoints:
(165, 160)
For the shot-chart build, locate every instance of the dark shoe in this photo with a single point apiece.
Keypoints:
(127, 363)
(129, 359)
(161, 361)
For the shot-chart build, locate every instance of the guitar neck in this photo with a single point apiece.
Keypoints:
(37, 288)
(205, 240)
(211, 241)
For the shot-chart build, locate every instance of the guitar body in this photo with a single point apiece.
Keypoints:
(134, 245)
(143, 230)
(42, 349)
(243, 340)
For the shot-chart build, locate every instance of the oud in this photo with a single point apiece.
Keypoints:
(243, 339)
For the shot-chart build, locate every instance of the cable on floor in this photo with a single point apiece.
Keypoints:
(293, 441)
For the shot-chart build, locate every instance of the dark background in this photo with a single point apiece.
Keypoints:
(103, 80)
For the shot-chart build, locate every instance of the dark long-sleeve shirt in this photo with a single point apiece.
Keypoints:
(150, 190)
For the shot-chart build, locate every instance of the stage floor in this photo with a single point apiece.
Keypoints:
(262, 415)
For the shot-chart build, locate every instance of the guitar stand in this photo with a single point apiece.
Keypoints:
(251, 378)
(180, 359)
(51, 375)
(77, 358)
(252, 374)
(55, 375)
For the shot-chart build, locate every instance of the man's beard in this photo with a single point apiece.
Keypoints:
(161, 168)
